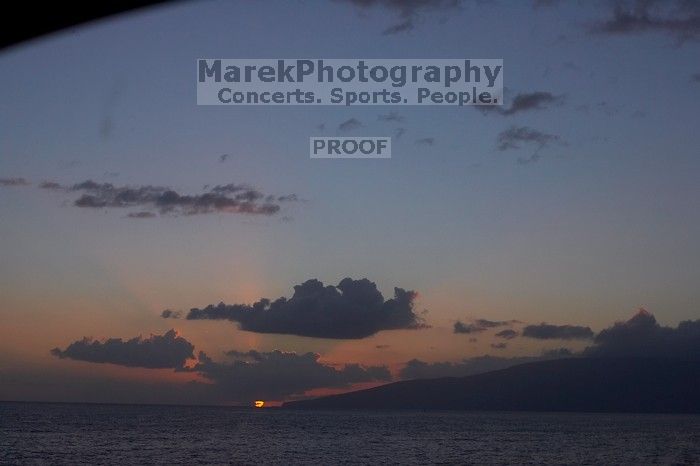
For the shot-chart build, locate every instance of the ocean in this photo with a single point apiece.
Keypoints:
(62, 433)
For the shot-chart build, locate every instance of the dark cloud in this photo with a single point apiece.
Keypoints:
(680, 19)
(407, 11)
(167, 351)
(349, 125)
(278, 375)
(230, 198)
(461, 327)
(507, 334)
(515, 136)
(545, 331)
(13, 182)
(642, 336)
(244, 376)
(353, 309)
(170, 314)
(523, 102)
(499, 345)
(529, 101)
(479, 325)
(51, 185)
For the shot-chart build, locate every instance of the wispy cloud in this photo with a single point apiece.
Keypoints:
(14, 182)
(524, 102)
(150, 199)
(680, 19)
(517, 136)
(349, 125)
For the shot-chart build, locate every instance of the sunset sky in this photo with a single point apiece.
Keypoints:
(590, 217)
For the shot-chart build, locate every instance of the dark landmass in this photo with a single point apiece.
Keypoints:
(575, 385)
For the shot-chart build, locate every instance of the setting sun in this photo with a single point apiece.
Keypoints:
(259, 404)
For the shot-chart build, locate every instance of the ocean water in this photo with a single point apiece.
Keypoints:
(37, 433)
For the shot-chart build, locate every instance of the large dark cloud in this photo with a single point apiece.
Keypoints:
(13, 182)
(353, 309)
(156, 352)
(277, 375)
(642, 336)
(545, 331)
(407, 11)
(680, 19)
(230, 198)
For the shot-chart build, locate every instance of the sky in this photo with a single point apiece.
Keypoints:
(569, 208)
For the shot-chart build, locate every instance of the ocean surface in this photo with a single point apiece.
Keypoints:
(37, 433)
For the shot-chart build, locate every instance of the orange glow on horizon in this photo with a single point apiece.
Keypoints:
(259, 404)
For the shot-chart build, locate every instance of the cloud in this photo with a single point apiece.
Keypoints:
(223, 158)
(230, 198)
(242, 377)
(50, 185)
(349, 125)
(507, 334)
(155, 352)
(461, 327)
(13, 182)
(353, 309)
(680, 19)
(278, 375)
(170, 314)
(142, 214)
(407, 11)
(642, 336)
(403, 26)
(499, 345)
(515, 136)
(545, 331)
(479, 325)
(527, 101)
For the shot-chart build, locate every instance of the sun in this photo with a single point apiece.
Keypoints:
(259, 403)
